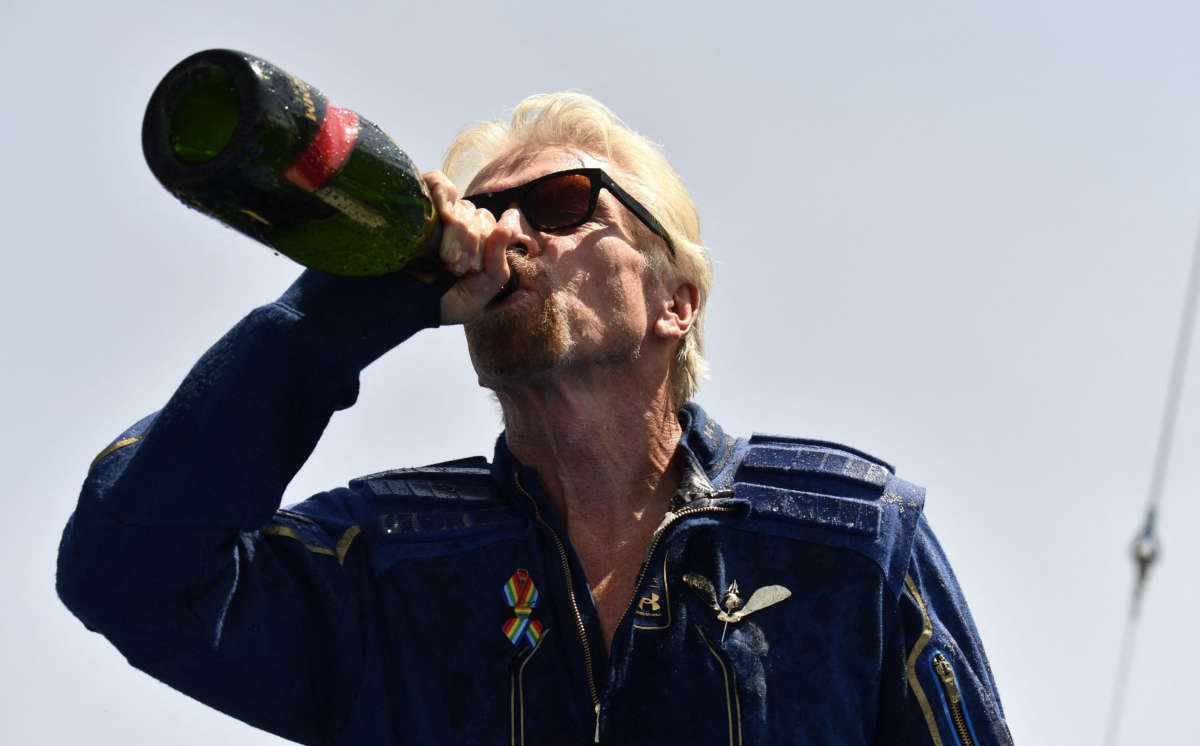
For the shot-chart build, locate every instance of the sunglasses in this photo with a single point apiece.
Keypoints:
(565, 199)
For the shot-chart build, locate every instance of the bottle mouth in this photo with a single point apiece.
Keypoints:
(202, 112)
(199, 117)
(222, 115)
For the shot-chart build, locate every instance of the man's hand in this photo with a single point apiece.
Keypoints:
(471, 249)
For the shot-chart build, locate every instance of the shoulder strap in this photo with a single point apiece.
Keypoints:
(461, 482)
(780, 459)
(831, 494)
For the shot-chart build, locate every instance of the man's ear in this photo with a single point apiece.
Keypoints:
(678, 312)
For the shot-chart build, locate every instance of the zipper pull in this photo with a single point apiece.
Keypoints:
(946, 674)
(597, 723)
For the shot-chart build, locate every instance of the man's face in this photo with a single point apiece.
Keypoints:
(583, 294)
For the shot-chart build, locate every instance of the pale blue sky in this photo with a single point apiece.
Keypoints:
(954, 235)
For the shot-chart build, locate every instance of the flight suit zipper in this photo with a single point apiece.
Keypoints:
(953, 697)
(659, 533)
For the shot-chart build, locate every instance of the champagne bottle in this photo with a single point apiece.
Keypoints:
(239, 139)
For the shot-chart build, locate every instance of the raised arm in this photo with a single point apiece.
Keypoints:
(167, 554)
(164, 555)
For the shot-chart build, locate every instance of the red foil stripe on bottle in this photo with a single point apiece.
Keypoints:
(327, 152)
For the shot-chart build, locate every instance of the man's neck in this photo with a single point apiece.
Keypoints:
(602, 442)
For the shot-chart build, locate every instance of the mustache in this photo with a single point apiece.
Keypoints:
(523, 273)
(527, 270)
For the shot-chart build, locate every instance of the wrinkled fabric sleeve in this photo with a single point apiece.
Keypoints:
(165, 553)
(938, 686)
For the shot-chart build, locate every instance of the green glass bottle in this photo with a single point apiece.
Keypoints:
(264, 152)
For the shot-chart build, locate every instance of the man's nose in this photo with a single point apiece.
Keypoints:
(510, 212)
(519, 233)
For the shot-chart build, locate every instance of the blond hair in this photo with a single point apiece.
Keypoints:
(580, 122)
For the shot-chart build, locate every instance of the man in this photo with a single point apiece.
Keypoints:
(622, 572)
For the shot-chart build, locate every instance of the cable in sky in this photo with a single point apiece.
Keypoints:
(1145, 549)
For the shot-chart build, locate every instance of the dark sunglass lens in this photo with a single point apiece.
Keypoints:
(491, 204)
(560, 202)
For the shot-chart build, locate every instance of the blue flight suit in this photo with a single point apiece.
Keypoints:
(445, 605)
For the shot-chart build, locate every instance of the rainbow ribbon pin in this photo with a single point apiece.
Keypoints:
(522, 595)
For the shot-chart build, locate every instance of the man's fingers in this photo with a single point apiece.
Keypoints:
(464, 235)
(471, 249)
(465, 229)
(495, 257)
(442, 190)
(455, 237)
(454, 229)
(486, 226)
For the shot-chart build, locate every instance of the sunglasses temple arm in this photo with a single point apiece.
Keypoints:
(640, 211)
